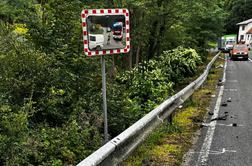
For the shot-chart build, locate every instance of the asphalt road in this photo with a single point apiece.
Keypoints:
(228, 142)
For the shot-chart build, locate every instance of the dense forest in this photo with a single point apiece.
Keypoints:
(51, 109)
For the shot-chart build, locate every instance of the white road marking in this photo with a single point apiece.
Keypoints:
(232, 90)
(232, 81)
(249, 59)
(229, 125)
(218, 152)
(205, 150)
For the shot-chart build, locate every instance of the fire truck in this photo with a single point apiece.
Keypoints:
(118, 30)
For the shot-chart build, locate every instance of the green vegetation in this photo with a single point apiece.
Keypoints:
(150, 83)
(168, 144)
(96, 29)
(238, 11)
(50, 92)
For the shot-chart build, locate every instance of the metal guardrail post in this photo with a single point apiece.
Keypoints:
(191, 97)
(169, 119)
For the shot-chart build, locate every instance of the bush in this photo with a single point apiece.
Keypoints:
(40, 101)
(51, 104)
(151, 83)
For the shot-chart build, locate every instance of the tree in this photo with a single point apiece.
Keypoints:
(239, 11)
(206, 24)
(54, 90)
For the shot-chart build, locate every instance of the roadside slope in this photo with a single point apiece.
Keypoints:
(168, 144)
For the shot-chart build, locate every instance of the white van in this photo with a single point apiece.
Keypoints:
(96, 41)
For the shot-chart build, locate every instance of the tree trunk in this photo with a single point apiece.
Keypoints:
(128, 59)
(161, 34)
(137, 54)
(151, 40)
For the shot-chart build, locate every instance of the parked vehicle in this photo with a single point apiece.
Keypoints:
(225, 43)
(118, 30)
(221, 43)
(229, 45)
(239, 51)
(96, 41)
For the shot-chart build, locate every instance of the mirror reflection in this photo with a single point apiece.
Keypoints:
(106, 32)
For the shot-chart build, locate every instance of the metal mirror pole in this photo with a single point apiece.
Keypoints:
(104, 99)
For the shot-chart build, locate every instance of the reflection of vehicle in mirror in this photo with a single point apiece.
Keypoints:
(108, 29)
(118, 30)
(96, 41)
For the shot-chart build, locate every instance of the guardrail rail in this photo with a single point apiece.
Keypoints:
(114, 152)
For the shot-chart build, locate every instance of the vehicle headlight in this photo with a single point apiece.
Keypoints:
(235, 53)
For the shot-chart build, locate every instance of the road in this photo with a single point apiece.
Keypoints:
(228, 142)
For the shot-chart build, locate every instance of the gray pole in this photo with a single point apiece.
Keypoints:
(104, 99)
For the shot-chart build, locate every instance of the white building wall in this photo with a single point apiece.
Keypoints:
(246, 38)
(242, 33)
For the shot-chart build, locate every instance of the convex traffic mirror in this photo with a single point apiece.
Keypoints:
(105, 31)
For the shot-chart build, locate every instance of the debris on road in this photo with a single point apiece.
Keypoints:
(220, 83)
(220, 118)
(205, 125)
(210, 113)
(229, 99)
(213, 96)
(233, 116)
(224, 104)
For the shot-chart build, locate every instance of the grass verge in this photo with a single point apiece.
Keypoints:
(167, 145)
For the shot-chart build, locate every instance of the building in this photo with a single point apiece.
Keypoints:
(245, 32)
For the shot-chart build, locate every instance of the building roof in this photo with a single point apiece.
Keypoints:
(245, 22)
(249, 31)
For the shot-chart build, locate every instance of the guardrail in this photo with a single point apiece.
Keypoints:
(119, 148)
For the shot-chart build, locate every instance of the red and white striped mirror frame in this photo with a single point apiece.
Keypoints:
(93, 12)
